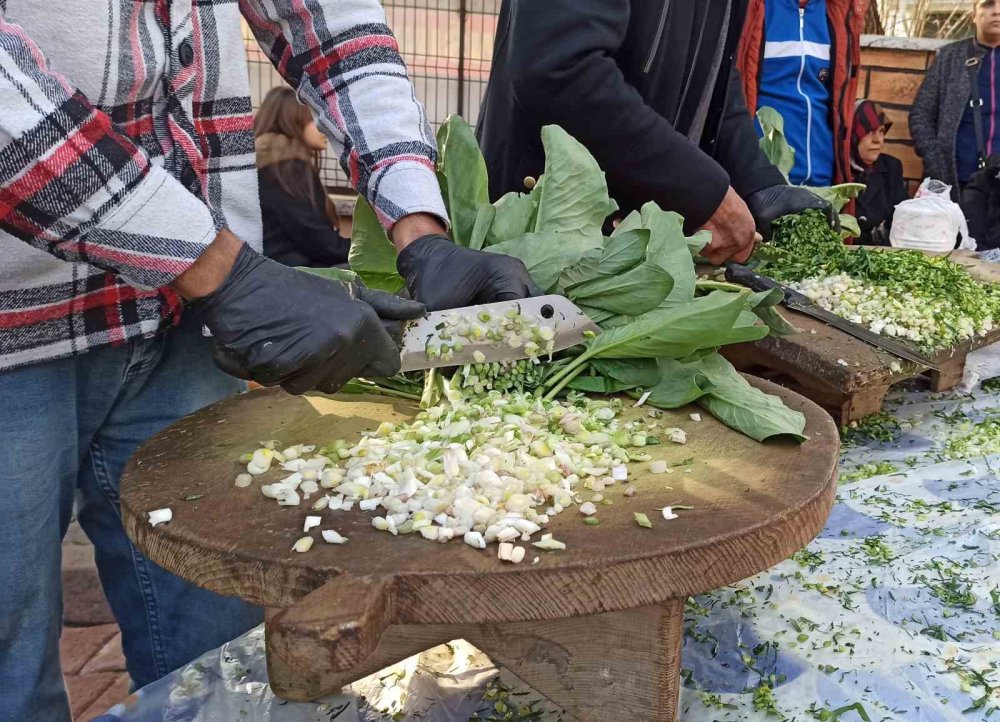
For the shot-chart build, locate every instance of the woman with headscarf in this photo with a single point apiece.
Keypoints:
(300, 224)
(881, 174)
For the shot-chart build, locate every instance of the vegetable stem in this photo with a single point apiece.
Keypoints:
(575, 371)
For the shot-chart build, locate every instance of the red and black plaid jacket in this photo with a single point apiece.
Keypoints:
(126, 144)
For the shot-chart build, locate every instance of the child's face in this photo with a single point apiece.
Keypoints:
(870, 147)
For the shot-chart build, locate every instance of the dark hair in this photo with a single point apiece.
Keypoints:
(282, 113)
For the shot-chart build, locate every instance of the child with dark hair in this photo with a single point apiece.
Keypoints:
(300, 222)
(882, 174)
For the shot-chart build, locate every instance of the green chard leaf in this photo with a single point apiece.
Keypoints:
(372, 255)
(485, 216)
(679, 384)
(778, 324)
(673, 332)
(631, 372)
(737, 404)
(624, 250)
(586, 269)
(774, 144)
(668, 249)
(839, 195)
(461, 172)
(573, 195)
(515, 216)
(633, 292)
(546, 255)
(598, 385)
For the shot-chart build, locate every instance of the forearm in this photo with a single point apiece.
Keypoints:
(87, 193)
(206, 274)
(346, 57)
(410, 228)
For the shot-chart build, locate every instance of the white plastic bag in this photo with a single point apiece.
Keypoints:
(930, 221)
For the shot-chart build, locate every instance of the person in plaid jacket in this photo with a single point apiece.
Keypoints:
(129, 219)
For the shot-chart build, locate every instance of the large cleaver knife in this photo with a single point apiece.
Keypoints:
(745, 276)
(438, 329)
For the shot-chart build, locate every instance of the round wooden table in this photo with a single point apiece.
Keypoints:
(597, 628)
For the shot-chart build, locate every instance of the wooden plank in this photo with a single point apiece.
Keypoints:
(893, 59)
(894, 86)
(900, 130)
(913, 165)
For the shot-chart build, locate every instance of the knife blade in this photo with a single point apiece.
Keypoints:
(738, 273)
(443, 329)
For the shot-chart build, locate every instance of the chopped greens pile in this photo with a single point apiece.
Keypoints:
(974, 439)
(882, 427)
(661, 325)
(930, 301)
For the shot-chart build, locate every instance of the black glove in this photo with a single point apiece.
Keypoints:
(443, 275)
(769, 204)
(282, 327)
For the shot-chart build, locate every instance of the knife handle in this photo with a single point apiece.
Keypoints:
(745, 276)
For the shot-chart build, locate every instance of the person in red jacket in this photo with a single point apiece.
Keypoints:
(846, 21)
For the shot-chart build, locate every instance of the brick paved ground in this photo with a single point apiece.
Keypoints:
(91, 644)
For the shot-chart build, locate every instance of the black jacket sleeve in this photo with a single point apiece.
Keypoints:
(300, 223)
(564, 73)
(975, 204)
(738, 147)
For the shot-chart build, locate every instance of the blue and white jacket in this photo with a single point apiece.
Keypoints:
(795, 81)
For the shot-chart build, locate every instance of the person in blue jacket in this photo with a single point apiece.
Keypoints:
(795, 81)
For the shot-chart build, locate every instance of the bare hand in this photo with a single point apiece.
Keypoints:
(733, 231)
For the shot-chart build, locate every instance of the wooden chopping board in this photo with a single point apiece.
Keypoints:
(754, 505)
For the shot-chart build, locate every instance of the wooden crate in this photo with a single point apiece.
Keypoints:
(845, 375)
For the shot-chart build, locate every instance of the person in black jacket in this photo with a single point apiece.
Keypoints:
(651, 89)
(300, 223)
(882, 174)
(981, 205)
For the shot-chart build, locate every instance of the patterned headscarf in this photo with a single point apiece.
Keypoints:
(868, 117)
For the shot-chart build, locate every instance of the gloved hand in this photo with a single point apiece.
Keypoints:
(282, 327)
(769, 204)
(443, 275)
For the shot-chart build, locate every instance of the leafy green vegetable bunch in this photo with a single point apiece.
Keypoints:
(661, 325)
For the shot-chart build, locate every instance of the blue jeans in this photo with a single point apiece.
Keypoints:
(67, 429)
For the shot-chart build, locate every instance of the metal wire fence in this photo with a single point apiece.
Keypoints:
(448, 49)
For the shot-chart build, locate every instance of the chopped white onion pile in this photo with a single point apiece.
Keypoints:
(891, 313)
(492, 469)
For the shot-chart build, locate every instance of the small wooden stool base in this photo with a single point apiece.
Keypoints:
(614, 666)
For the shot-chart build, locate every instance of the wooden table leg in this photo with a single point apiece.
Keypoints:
(949, 374)
(614, 666)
